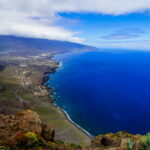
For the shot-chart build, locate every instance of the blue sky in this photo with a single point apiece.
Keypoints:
(130, 30)
(101, 23)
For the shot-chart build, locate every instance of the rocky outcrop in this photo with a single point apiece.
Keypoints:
(24, 130)
(47, 132)
(117, 141)
(22, 122)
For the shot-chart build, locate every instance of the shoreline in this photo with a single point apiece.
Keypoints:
(75, 124)
(45, 79)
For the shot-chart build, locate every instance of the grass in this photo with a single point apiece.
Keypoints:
(130, 144)
(64, 129)
(145, 142)
(48, 113)
(4, 148)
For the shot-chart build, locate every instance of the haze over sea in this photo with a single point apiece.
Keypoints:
(106, 91)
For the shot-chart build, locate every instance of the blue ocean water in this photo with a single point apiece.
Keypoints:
(105, 91)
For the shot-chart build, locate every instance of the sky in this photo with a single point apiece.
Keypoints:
(100, 23)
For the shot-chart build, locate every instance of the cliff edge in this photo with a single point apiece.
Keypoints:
(24, 130)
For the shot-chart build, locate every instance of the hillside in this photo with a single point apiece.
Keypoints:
(25, 131)
(24, 63)
(21, 44)
(28, 118)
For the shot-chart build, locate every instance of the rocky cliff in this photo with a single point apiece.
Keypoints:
(24, 130)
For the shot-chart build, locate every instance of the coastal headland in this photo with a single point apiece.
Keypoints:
(22, 87)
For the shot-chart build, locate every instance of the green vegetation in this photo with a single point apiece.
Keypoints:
(51, 145)
(48, 113)
(130, 144)
(145, 142)
(8, 94)
(32, 136)
(62, 146)
(4, 148)
(27, 140)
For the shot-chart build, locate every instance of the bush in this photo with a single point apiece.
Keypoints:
(32, 136)
(28, 139)
(51, 145)
(130, 144)
(145, 142)
(4, 148)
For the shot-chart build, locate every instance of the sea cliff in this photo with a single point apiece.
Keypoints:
(22, 88)
(25, 130)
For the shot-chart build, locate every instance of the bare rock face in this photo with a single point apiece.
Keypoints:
(115, 141)
(106, 141)
(24, 131)
(48, 133)
(22, 122)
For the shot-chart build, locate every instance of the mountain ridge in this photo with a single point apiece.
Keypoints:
(13, 43)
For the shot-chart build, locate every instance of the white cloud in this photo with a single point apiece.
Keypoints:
(28, 27)
(43, 7)
(28, 19)
(36, 18)
(114, 7)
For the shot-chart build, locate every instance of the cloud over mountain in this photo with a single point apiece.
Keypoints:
(34, 18)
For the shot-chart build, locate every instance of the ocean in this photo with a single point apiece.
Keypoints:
(104, 91)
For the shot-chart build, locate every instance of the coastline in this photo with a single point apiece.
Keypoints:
(75, 124)
(50, 89)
